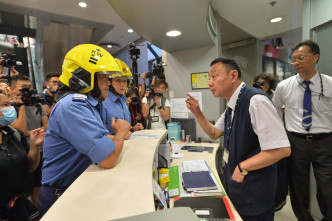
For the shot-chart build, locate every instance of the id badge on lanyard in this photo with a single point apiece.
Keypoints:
(154, 119)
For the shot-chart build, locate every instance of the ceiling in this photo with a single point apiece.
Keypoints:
(241, 19)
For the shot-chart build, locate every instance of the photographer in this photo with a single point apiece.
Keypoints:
(52, 84)
(156, 108)
(29, 118)
(115, 105)
(16, 160)
(266, 82)
(134, 106)
(4, 78)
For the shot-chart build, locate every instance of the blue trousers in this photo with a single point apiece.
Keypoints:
(267, 216)
(47, 197)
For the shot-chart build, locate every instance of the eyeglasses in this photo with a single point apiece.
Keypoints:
(54, 82)
(299, 59)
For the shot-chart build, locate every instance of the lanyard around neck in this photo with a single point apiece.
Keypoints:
(321, 86)
(229, 124)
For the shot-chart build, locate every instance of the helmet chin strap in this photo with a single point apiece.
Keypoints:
(96, 92)
(112, 89)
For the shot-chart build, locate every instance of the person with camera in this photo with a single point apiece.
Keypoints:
(4, 77)
(266, 82)
(76, 135)
(134, 106)
(49, 94)
(16, 160)
(31, 115)
(115, 105)
(155, 107)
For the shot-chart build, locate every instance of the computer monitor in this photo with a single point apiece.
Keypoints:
(188, 125)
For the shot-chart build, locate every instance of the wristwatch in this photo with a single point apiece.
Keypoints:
(243, 172)
(160, 107)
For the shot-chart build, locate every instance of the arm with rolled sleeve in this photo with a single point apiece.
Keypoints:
(84, 129)
(278, 100)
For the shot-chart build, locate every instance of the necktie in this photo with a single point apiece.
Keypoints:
(307, 111)
(228, 119)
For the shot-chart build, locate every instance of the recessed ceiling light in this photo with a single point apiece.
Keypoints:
(173, 33)
(130, 30)
(276, 19)
(109, 46)
(82, 4)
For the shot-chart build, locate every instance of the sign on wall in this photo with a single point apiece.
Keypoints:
(200, 80)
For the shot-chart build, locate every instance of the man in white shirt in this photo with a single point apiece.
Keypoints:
(254, 140)
(308, 120)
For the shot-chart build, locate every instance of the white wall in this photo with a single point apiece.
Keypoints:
(179, 67)
(315, 13)
(249, 58)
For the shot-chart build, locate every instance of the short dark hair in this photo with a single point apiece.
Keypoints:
(51, 74)
(268, 78)
(230, 63)
(313, 47)
(132, 90)
(19, 77)
(161, 81)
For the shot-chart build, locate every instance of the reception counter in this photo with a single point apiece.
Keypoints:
(106, 194)
(125, 190)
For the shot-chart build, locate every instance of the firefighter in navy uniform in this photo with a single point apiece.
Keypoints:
(76, 134)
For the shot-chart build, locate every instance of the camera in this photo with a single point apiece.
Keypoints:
(134, 100)
(133, 51)
(258, 84)
(8, 61)
(153, 94)
(158, 70)
(30, 97)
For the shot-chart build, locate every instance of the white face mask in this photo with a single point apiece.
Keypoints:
(9, 115)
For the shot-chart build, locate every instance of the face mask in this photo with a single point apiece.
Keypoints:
(9, 117)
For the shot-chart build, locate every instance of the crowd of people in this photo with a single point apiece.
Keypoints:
(85, 113)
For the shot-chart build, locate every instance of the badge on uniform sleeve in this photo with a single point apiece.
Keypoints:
(80, 97)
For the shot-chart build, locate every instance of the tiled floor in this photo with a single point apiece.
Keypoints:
(286, 213)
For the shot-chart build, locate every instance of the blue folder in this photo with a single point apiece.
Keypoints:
(201, 180)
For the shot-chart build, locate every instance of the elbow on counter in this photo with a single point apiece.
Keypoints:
(107, 165)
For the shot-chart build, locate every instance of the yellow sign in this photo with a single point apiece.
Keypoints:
(200, 80)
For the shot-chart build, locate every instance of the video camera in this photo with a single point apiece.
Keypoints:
(158, 70)
(133, 51)
(30, 97)
(153, 94)
(134, 55)
(258, 84)
(8, 61)
(7, 51)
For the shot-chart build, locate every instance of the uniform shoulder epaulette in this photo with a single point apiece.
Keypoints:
(80, 97)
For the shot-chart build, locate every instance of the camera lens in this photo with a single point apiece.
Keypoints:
(134, 100)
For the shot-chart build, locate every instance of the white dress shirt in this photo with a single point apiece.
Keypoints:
(264, 120)
(290, 92)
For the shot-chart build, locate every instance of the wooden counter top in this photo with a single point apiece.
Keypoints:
(105, 194)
